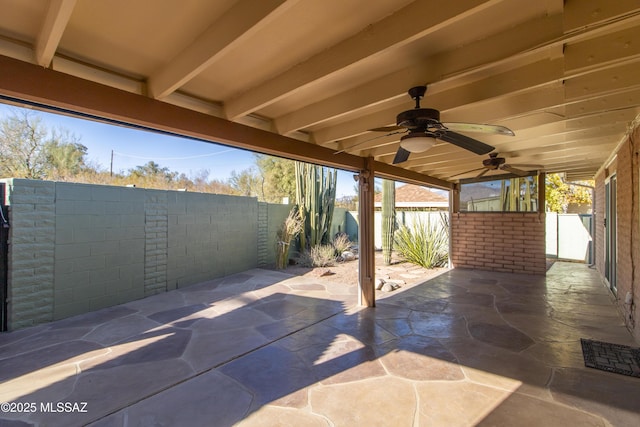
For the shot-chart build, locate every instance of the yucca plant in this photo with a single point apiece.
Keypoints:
(425, 243)
(289, 229)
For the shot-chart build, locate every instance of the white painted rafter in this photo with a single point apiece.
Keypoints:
(241, 21)
(406, 25)
(55, 22)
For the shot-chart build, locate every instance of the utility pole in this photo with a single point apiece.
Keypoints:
(111, 166)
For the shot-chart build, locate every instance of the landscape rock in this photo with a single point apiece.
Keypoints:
(379, 283)
(348, 256)
(396, 283)
(387, 287)
(325, 272)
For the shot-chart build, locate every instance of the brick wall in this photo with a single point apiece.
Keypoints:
(156, 241)
(626, 173)
(598, 223)
(626, 169)
(504, 242)
(263, 233)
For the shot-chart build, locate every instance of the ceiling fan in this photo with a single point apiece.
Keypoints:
(499, 163)
(423, 127)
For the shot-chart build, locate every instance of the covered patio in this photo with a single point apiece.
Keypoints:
(316, 81)
(266, 348)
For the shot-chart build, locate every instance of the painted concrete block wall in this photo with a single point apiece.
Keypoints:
(75, 248)
(99, 247)
(209, 236)
(339, 222)
(31, 251)
(504, 242)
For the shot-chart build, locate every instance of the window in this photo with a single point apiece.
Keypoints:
(502, 195)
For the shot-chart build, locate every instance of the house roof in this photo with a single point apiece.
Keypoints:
(563, 75)
(410, 195)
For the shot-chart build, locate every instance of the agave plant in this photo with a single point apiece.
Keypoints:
(425, 243)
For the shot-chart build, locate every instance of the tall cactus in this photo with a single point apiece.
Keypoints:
(388, 218)
(315, 197)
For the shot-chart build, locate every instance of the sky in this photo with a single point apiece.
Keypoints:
(133, 147)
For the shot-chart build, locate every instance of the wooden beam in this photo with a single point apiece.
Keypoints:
(37, 86)
(20, 81)
(241, 21)
(55, 22)
(366, 261)
(454, 200)
(580, 15)
(399, 29)
(508, 84)
(525, 39)
(387, 171)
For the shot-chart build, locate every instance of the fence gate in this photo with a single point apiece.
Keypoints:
(4, 254)
(569, 236)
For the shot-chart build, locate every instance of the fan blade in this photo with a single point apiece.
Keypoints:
(467, 143)
(477, 127)
(464, 173)
(402, 155)
(513, 170)
(365, 141)
(386, 129)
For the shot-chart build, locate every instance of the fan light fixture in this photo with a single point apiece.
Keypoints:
(417, 142)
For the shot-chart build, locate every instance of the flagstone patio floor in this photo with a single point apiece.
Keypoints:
(264, 348)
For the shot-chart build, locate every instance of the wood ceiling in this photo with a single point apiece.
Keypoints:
(563, 75)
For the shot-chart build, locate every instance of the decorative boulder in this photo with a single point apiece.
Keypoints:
(387, 287)
(379, 283)
(348, 256)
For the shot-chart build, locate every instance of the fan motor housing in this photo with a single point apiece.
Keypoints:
(418, 118)
(494, 162)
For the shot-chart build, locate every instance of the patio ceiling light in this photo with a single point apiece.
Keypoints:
(417, 142)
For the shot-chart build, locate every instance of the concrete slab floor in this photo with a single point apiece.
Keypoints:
(263, 348)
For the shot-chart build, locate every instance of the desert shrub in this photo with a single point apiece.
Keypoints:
(289, 229)
(318, 256)
(341, 243)
(425, 243)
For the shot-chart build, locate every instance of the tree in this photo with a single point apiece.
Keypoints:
(559, 194)
(65, 159)
(153, 170)
(28, 149)
(271, 180)
(246, 183)
(278, 178)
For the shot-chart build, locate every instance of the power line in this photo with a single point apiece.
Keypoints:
(171, 158)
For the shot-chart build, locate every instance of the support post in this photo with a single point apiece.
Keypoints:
(454, 209)
(366, 270)
(542, 181)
